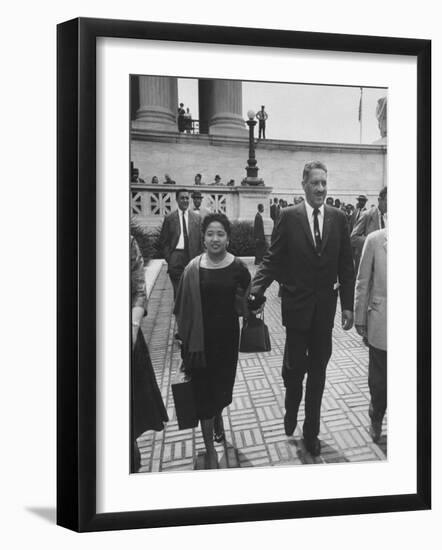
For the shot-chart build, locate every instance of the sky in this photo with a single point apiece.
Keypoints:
(304, 112)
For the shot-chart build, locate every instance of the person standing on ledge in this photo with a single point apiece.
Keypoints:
(310, 256)
(262, 116)
(188, 121)
(181, 120)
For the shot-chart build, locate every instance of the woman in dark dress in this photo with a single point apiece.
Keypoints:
(147, 407)
(211, 296)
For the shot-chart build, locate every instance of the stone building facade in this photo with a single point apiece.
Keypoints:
(220, 146)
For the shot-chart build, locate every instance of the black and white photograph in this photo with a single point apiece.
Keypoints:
(258, 269)
(226, 201)
(196, 256)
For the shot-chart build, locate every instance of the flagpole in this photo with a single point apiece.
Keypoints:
(360, 117)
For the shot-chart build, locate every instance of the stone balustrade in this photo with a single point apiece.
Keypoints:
(151, 202)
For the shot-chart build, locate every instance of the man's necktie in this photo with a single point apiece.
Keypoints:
(316, 230)
(185, 235)
(382, 222)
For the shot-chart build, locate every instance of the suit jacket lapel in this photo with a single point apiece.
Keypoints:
(306, 225)
(326, 226)
(177, 223)
(177, 229)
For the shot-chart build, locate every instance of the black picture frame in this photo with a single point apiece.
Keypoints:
(76, 273)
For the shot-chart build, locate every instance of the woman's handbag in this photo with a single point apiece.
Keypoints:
(254, 335)
(182, 391)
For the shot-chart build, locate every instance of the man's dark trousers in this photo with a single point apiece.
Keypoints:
(377, 383)
(307, 352)
(262, 129)
(177, 262)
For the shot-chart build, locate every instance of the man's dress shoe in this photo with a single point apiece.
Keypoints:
(313, 446)
(289, 427)
(375, 431)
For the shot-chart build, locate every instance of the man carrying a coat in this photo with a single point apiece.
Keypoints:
(310, 256)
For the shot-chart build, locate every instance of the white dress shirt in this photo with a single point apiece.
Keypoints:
(180, 245)
(311, 218)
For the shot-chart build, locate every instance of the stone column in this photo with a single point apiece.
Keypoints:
(158, 104)
(221, 106)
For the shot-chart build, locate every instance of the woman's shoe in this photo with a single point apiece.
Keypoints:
(211, 461)
(218, 430)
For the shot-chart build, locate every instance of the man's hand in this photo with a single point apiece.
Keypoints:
(361, 330)
(256, 303)
(347, 319)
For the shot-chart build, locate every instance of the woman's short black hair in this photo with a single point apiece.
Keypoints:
(216, 217)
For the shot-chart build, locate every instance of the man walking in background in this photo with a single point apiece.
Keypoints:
(369, 221)
(197, 199)
(371, 322)
(310, 256)
(180, 238)
(359, 210)
(259, 236)
(274, 210)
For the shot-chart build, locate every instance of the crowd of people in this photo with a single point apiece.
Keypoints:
(198, 179)
(315, 260)
(352, 212)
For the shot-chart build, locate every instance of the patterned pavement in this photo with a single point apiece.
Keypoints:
(254, 421)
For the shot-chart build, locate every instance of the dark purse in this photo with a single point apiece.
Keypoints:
(182, 391)
(254, 335)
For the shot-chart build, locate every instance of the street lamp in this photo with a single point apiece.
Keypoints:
(252, 168)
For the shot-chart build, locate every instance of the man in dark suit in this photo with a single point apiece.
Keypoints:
(197, 199)
(180, 238)
(358, 211)
(274, 210)
(310, 256)
(370, 220)
(259, 235)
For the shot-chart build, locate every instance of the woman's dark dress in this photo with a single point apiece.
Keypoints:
(213, 385)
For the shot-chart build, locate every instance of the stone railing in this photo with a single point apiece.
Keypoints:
(150, 202)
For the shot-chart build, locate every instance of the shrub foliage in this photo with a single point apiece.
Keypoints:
(241, 239)
(147, 239)
(242, 242)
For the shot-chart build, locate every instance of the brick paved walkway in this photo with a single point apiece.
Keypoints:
(254, 421)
